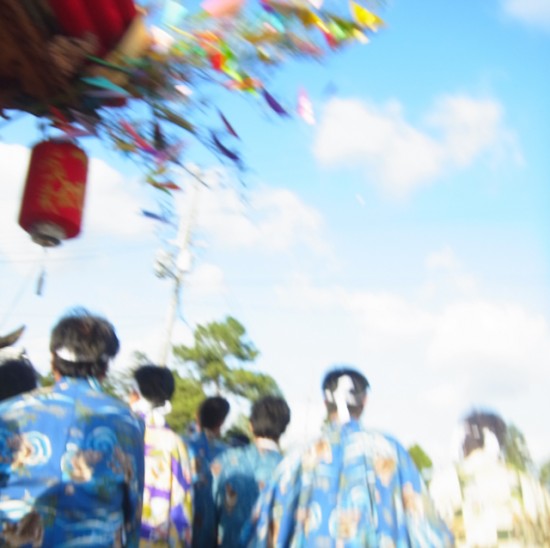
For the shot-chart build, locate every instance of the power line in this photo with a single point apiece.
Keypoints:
(17, 297)
(119, 250)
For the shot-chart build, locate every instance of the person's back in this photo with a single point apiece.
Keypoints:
(205, 446)
(485, 500)
(70, 454)
(353, 487)
(167, 497)
(240, 474)
(71, 457)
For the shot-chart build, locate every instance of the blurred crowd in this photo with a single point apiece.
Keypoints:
(79, 467)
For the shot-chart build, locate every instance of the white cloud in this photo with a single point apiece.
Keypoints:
(151, 341)
(438, 360)
(463, 335)
(500, 348)
(468, 127)
(445, 262)
(306, 422)
(442, 259)
(535, 13)
(206, 279)
(399, 157)
(113, 204)
(272, 219)
(14, 241)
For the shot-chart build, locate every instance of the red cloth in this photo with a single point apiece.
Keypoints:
(105, 19)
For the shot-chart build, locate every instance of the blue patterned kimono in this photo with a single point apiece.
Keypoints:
(353, 488)
(239, 476)
(71, 468)
(203, 451)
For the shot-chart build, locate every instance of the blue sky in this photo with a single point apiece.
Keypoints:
(406, 232)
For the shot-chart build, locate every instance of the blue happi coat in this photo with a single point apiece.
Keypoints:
(204, 450)
(239, 476)
(71, 467)
(353, 488)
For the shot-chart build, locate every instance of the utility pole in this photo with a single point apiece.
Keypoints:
(177, 264)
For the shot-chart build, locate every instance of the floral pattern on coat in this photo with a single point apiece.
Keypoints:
(71, 468)
(353, 488)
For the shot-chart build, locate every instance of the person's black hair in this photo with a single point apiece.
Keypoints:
(17, 376)
(212, 412)
(269, 417)
(475, 422)
(156, 384)
(357, 394)
(82, 344)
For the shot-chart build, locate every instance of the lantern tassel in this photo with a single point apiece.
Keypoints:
(42, 275)
(40, 282)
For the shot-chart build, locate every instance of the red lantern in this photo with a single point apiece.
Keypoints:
(53, 198)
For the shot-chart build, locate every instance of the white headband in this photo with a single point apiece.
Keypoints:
(342, 396)
(143, 407)
(69, 355)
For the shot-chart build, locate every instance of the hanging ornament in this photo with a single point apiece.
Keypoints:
(53, 198)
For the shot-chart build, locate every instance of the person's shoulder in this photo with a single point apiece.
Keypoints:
(229, 456)
(110, 404)
(233, 460)
(383, 442)
(357, 439)
(220, 445)
(191, 441)
(111, 410)
(168, 438)
(10, 404)
(195, 445)
(37, 397)
(379, 436)
(173, 437)
(389, 438)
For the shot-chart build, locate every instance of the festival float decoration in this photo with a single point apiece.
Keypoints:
(8, 350)
(147, 80)
(11, 338)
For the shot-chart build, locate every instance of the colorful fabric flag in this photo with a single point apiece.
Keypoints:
(222, 8)
(224, 150)
(364, 17)
(305, 108)
(227, 125)
(104, 84)
(154, 216)
(274, 104)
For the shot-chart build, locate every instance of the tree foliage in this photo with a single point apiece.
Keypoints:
(188, 395)
(516, 452)
(218, 358)
(544, 475)
(420, 457)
